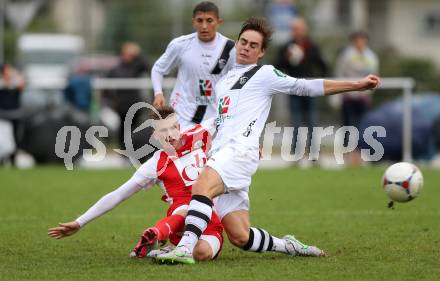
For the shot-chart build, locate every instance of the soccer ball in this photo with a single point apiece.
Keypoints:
(402, 182)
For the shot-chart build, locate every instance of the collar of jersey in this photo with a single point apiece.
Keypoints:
(210, 45)
(185, 148)
(241, 66)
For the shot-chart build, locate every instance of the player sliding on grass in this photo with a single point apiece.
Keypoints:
(176, 168)
(244, 98)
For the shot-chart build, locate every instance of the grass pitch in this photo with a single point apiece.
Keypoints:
(343, 212)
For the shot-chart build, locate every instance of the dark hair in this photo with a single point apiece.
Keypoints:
(358, 34)
(164, 112)
(259, 25)
(205, 7)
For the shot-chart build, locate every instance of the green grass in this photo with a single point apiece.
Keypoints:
(343, 212)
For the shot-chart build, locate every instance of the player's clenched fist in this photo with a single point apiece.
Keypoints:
(64, 229)
(370, 82)
(159, 101)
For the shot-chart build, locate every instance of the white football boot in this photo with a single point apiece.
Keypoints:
(297, 248)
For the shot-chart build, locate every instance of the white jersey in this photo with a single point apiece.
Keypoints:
(200, 65)
(244, 102)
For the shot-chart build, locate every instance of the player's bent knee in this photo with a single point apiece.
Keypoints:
(237, 227)
(239, 239)
(201, 256)
(202, 251)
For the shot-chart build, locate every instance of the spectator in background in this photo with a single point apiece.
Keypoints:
(355, 61)
(131, 65)
(11, 86)
(301, 58)
(79, 90)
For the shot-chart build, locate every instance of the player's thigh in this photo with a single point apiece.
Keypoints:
(237, 225)
(209, 183)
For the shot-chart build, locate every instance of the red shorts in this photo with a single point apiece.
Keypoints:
(215, 227)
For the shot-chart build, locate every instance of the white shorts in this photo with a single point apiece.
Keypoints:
(180, 208)
(229, 202)
(213, 242)
(235, 166)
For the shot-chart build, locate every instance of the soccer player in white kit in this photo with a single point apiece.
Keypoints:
(201, 59)
(244, 100)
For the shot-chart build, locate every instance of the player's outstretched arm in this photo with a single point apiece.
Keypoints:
(369, 82)
(64, 230)
(104, 205)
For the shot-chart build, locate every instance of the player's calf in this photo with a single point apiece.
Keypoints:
(197, 219)
(259, 240)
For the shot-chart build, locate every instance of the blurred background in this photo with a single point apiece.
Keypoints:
(59, 66)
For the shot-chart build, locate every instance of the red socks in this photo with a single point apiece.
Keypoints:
(169, 225)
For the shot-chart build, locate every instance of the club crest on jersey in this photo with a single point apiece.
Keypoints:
(221, 63)
(223, 105)
(205, 87)
(243, 80)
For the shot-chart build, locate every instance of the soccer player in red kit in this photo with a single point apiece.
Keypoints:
(175, 168)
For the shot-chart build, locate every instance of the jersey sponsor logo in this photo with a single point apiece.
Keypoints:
(190, 173)
(223, 105)
(279, 73)
(219, 121)
(203, 100)
(205, 87)
(190, 166)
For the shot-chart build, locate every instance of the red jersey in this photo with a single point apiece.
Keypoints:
(177, 173)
